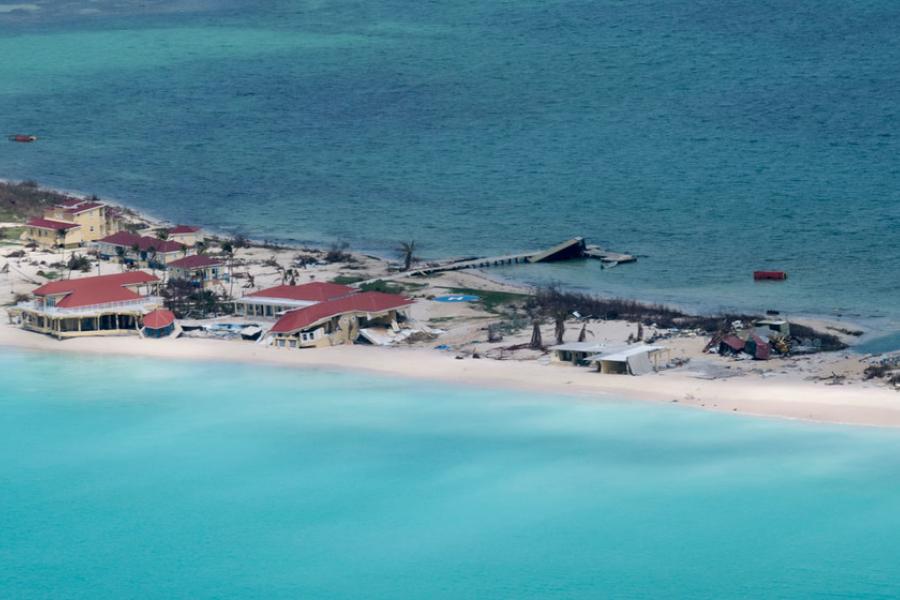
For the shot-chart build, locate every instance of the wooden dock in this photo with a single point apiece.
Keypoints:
(575, 248)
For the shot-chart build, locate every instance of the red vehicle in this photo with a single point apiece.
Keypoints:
(20, 137)
(769, 275)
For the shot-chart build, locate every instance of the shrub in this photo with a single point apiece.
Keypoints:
(347, 279)
(337, 252)
(380, 285)
(77, 262)
(240, 241)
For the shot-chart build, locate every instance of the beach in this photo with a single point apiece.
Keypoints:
(822, 387)
(479, 299)
(779, 396)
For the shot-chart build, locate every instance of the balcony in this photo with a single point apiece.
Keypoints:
(142, 305)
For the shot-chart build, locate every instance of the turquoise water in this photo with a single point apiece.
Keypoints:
(714, 138)
(173, 480)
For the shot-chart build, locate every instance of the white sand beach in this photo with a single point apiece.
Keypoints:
(825, 387)
(784, 396)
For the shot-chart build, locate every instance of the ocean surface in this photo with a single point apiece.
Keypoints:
(711, 138)
(147, 479)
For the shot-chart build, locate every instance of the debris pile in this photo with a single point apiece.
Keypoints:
(763, 338)
(887, 370)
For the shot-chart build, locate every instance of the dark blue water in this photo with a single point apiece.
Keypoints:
(714, 138)
(151, 479)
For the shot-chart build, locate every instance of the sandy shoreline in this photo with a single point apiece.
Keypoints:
(786, 397)
(790, 387)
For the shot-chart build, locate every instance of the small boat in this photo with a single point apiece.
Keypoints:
(769, 275)
(22, 138)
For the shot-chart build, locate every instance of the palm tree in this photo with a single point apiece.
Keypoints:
(135, 247)
(151, 258)
(200, 246)
(407, 251)
(228, 249)
(163, 233)
(120, 252)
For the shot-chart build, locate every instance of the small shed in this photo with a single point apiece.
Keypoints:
(159, 323)
(576, 353)
(631, 360)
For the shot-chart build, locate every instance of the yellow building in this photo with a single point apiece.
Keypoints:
(185, 234)
(48, 233)
(201, 271)
(72, 223)
(365, 316)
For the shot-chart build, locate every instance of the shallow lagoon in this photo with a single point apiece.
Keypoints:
(205, 480)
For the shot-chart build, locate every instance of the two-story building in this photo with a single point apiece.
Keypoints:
(142, 250)
(71, 223)
(90, 306)
(48, 233)
(201, 270)
(185, 234)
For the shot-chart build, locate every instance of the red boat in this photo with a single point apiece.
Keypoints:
(19, 137)
(769, 275)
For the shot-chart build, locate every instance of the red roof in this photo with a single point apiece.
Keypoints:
(197, 261)
(101, 289)
(184, 229)
(317, 291)
(82, 207)
(69, 202)
(366, 302)
(48, 224)
(733, 342)
(128, 239)
(159, 319)
(122, 238)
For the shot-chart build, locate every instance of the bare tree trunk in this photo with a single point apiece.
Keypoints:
(583, 334)
(560, 329)
(536, 341)
(231, 276)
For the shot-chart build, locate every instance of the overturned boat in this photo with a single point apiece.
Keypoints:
(23, 138)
